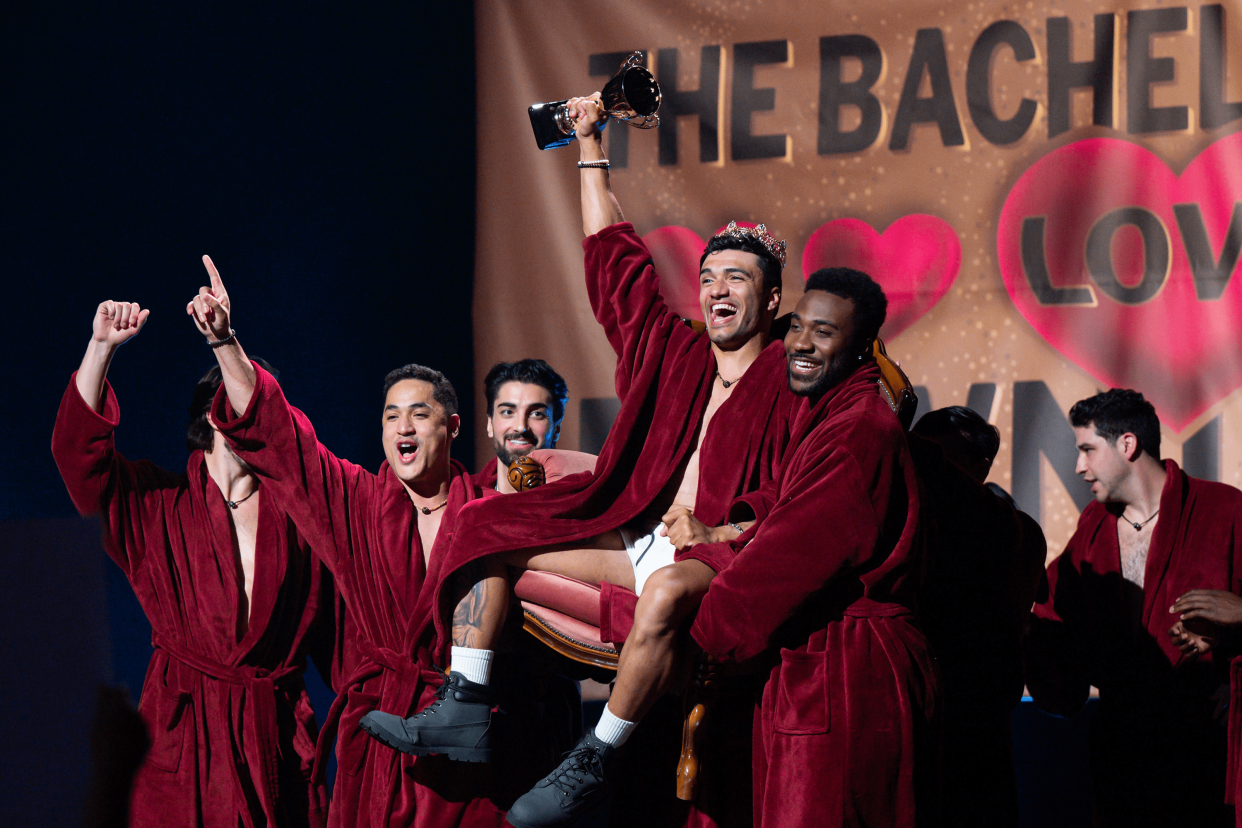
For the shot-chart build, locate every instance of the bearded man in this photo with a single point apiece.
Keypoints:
(823, 587)
(525, 405)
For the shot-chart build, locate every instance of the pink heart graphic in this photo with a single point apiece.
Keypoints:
(915, 260)
(1171, 330)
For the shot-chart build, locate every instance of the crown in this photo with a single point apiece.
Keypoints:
(760, 234)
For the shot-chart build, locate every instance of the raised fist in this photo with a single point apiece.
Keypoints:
(586, 114)
(117, 322)
(210, 309)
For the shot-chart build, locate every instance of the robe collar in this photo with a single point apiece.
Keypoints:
(270, 561)
(810, 415)
(1169, 530)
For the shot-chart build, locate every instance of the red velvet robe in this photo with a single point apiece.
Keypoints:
(665, 371)
(232, 730)
(363, 526)
(986, 560)
(1157, 755)
(845, 734)
(485, 478)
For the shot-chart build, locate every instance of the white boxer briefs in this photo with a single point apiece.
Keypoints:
(648, 550)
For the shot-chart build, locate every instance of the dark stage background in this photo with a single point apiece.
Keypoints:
(323, 154)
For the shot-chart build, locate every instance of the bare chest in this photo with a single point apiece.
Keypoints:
(688, 485)
(245, 532)
(1133, 545)
(428, 529)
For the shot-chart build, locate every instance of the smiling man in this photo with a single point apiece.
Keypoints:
(703, 421)
(525, 405)
(1112, 619)
(383, 535)
(823, 587)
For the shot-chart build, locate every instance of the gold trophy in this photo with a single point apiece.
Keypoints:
(632, 96)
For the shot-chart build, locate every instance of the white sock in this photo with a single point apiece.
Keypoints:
(612, 730)
(475, 665)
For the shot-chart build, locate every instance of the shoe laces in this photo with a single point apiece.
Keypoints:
(581, 762)
(441, 693)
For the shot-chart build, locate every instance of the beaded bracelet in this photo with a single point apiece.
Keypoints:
(220, 342)
(593, 165)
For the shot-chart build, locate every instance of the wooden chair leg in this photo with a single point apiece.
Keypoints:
(705, 677)
(688, 766)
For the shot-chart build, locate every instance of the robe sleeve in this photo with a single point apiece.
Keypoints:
(754, 505)
(127, 496)
(313, 486)
(625, 296)
(824, 523)
(1055, 657)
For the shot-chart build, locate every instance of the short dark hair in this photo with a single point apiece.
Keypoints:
(979, 437)
(1117, 412)
(870, 303)
(531, 372)
(442, 390)
(198, 435)
(770, 267)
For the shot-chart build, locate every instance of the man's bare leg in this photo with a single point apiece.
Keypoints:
(649, 659)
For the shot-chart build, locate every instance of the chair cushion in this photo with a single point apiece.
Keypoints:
(557, 463)
(565, 596)
(576, 632)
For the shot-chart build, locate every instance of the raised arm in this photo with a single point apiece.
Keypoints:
(115, 324)
(599, 206)
(318, 490)
(100, 481)
(212, 315)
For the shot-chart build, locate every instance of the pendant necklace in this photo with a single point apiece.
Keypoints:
(233, 504)
(1138, 527)
(427, 511)
(726, 383)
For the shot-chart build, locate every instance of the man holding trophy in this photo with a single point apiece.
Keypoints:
(663, 486)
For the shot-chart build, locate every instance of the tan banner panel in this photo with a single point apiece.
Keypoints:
(1051, 195)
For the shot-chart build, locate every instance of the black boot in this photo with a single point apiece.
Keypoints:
(457, 724)
(578, 785)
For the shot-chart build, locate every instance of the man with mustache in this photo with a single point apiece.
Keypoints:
(823, 587)
(383, 536)
(703, 421)
(1120, 615)
(525, 405)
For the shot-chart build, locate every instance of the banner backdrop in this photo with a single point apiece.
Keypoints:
(1050, 194)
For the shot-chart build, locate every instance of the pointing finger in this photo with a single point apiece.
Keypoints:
(217, 285)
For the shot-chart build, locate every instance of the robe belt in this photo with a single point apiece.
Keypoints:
(261, 687)
(865, 607)
(1232, 794)
(375, 661)
(411, 677)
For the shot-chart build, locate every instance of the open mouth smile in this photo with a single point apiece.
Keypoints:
(721, 313)
(801, 365)
(407, 450)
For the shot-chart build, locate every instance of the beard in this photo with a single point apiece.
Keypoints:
(837, 371)
(507, 457)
